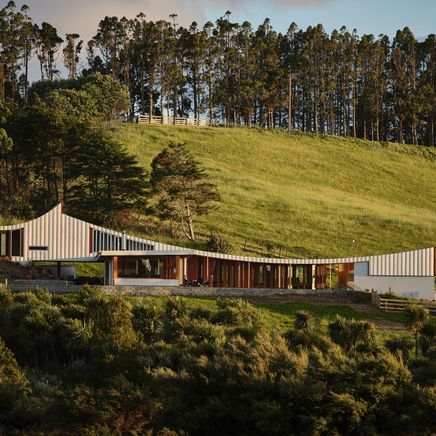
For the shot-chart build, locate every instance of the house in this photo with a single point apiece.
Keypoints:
(132, 261)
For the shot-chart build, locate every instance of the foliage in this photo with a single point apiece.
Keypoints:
(218, 244)
(147, 321)
(303, 320)
(416, 318)
(350, 333)
(428, 337)
(60, 153)
(13, 382)
(105, 179)
(400, 343)
(179, 189)
(170, 367)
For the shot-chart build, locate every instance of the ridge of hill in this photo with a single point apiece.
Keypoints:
(302, 195)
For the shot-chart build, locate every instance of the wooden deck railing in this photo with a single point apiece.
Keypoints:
(396, 305)
(177, 121)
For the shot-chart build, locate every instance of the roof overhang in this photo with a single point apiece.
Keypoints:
(148, 253)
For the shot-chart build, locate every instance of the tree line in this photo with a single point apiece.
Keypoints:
(90, 363)
(342, 83)
(57, 148)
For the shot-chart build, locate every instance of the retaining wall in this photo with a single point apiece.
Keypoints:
(213, 292)
(177, 290)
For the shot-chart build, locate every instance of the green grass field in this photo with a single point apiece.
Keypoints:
(279, 315)
(308, 194)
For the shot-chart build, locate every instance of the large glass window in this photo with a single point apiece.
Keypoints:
(4, 244)
(140, 267)
(16, 242)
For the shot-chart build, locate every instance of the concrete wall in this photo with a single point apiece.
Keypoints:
(214, 292)
(145, 282)
(413, 287)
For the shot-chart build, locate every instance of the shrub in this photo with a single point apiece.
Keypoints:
(13, 383)
(399, 343)
(147, 320)
(349, 333)
(235, 313)
(175, 308)
(218, 244)
(303, 320)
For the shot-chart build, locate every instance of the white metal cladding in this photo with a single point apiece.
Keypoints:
(57, 236)
(408, 263)
(53, 236)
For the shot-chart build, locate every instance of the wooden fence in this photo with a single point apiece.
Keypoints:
(176, 121)
(396, 305)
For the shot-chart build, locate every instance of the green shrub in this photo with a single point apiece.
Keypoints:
(235, 313)
(303, 320)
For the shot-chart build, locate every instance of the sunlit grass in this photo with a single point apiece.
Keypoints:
(309, 195)
(279, 316)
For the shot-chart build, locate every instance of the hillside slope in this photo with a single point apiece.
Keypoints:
(309, 195)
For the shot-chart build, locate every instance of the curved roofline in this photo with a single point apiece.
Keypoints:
(167, 249)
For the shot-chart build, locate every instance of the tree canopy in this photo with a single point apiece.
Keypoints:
(104, 364)
(179, 188)
(368, 86)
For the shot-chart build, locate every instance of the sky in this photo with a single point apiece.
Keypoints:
(367, 16)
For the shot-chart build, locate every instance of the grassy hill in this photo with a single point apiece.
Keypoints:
(309, 195)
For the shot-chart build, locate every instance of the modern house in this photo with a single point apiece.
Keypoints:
(132, 261)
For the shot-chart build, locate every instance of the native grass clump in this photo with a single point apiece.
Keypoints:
(98, 364)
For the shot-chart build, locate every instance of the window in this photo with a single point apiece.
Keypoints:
(17, 237)
(101, 241)
(140, 267)
(4, 244)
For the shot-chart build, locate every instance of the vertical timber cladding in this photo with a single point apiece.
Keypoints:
(192, 272)
(346, 275)
(235, 273)
(169, 267)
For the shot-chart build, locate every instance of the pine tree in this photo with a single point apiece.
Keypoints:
(71, 53)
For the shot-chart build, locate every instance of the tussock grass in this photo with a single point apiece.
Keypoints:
(309, 195)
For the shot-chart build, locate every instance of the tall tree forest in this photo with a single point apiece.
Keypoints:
(374, 87)
(54, 145)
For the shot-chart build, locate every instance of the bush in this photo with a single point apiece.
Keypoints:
(348, 333)
(303, 320)
(235, 313)
(13, 383)
(218, 244)
(175, 308)
(87, 280)
(399, 343)
(147, 320)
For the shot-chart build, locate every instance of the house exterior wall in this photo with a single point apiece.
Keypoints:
(146, 282)
(58, 237)
(407, 263)
(413, 287)
(407, 286)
